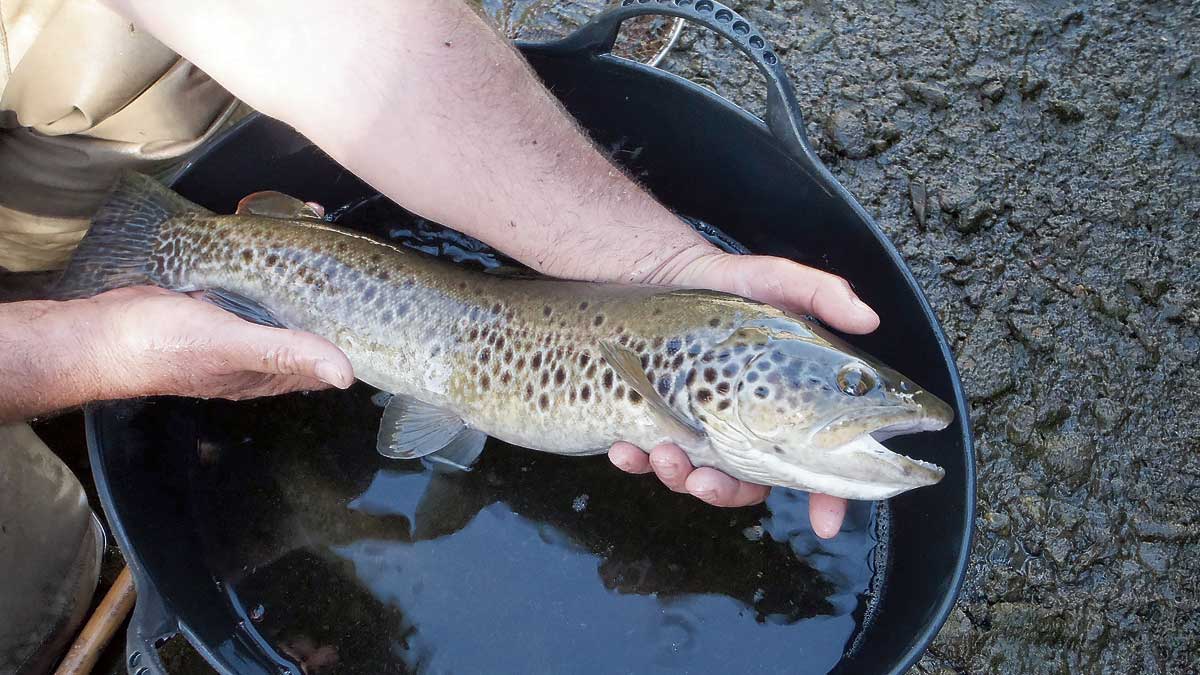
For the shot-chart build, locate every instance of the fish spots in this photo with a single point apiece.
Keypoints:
(658, 361)
(506, 377)
(778, 450)
(607, 379)
(664, 385)
(591, 371)
(386, 316)
(585, 392)
(543, 402)
(384, 275)
(545, 378)
(598, 321)
(473, 335)
(763, 365)
(752, 377)
(485, 382)
(722, 388)
(536, 362)
(691, 377)
(624, 340)
(583, 306)
(657, 342)
(497, 308)
(677, 361)
(634, 396)
(761, 392)
(272, 259)
(528, 392)
(704, 396)
(730, 370)
(715, 322)
(673, 345)
(485, 354)
(620, 391)
(560, 376)
(508, 355)
(520, 365)
(645, 361)
(247, 255)
(499, 342)
(620, 329)
(723, 405)
(778, 357)
(657, 311)
(584, 357)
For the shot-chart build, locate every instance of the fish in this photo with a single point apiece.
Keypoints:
(565, 367)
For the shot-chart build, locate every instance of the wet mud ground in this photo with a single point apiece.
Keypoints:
(1038, 166)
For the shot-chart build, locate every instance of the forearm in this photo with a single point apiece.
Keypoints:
(47, 359)
(426, 102)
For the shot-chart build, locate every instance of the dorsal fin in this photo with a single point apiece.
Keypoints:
(275, 205)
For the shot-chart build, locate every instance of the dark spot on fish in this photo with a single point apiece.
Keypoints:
(583, 306)
(624, 340)
(620, 329)
(560, 375)
(691, 377)
(536, 361)
(722, 388)
(485, 381)
(645, 361)
(673, 346)
(547, 311)
(723, 405)
(658, 361)
(658, 342)
(730, 370)
(752, 377)
(521, 363)
(714, 322)
(678, 361)
(543, 401)
(704, 396)
(384, 275)
(386, 316)
(583, 359)
(634, 397)
(272, 259)
(591, 371)
(528, 391)
(474, 370)
(708, 357)
(462, 285)
(608, 379)
(499, 341)
(598, 320)
(657, 312)
(664, 385)
(585, 392)
(508, 316)
(508, 355)
(376, 258)
(496, 308)
(778, 450)
(484, 355)
(761, 392)
(693, 350)
(473, 335)
(506, 377)
(763, 365)
(710, 375)
(247, 255)
(778, 357)
(620, 391)
(641, 346)
(723, 356)
(572, 394)
(545, 378)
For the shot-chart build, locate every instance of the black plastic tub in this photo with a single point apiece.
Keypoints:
(269, 534)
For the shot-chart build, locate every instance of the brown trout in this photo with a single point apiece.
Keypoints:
(557, 366)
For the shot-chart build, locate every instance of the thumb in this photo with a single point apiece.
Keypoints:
(784, 284)
(276, 351)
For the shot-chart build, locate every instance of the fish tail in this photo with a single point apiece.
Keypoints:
(119, 248)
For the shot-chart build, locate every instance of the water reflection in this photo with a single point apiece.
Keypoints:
(528, 563)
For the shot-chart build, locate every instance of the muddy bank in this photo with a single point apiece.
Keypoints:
(1038, 165)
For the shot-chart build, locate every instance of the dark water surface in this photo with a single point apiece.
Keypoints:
(349, 562)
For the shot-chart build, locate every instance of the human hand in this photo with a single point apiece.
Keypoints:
(775, 281)
(156, 342)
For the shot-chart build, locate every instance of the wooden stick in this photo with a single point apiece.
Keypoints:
(100, 627)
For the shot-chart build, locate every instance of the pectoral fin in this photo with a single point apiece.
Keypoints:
(629, 368)
(242, 306)
(275, 205)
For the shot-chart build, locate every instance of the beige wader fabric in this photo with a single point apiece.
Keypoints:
(84, 95)
(50, 549)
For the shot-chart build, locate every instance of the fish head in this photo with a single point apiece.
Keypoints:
(789, 404)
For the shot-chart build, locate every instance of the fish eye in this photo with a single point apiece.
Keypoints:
(855, 379)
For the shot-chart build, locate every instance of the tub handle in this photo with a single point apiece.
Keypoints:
(783, 117)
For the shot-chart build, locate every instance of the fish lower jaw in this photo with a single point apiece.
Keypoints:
(862, 469)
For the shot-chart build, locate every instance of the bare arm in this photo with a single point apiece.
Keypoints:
(427, 103)
(147, 341)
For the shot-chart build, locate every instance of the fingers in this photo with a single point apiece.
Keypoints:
(785, 284)
(673, 468)
(629, 458)
(719, 489)
(826, 514)
(285, 352)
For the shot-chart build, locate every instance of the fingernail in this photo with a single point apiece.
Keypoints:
(666, 469)
(706, 495)
(329, 374)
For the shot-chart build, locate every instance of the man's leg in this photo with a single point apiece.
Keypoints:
(50, 549)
